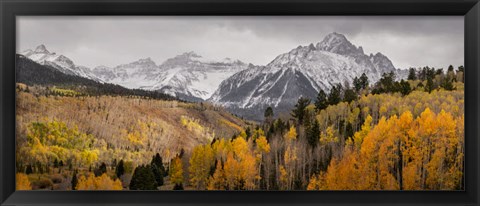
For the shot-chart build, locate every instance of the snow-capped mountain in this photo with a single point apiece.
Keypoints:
(301, 72)
(44, 57)
(133, 75)
(187, 76)
(192, 77)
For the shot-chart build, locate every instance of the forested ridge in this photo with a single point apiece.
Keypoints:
(392, 135)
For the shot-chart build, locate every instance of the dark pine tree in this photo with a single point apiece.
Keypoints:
(178, 187)
(335, 95)
(429, 86)
(299, 111)
(387, 82)
(450, 68)
(157, 160)
(55, 163)
(143, 179)
(157, 173)
(101, 170)
(349, 95)
(405, 88)
(412, 74)
(447, 84)
(120, 169)
(321, 102)
(313, 134)
(74, 181)
(364, 81)
(268, 114)
(29, 170)
(357, 84)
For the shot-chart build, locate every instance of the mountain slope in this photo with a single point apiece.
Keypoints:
(187, 76)
(301, 72)
(60, 62)
(191, 77)
(32, 73)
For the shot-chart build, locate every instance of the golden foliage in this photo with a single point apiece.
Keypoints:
(176, 171)
(22, 182)
(201, 162)
(401, 153)
(103, 182)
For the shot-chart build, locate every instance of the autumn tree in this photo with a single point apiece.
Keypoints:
(218, 180)
(201, 162)
(22, 182)
(103, 182)
(176, 172)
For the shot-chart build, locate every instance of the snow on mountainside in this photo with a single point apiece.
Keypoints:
(192, 77)
(44, 57)
(133, 75)
(301, 72)
(187, 76)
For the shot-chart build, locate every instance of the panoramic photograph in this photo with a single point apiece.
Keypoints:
(240, 103)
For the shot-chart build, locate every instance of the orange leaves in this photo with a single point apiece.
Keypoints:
(262, 145)
(218, 180)
(200, 164)
(22, 182)
(291, 134)
(176, 171)
(103, 182)
(403, 152)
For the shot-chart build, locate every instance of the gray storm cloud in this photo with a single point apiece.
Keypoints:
(93, 41)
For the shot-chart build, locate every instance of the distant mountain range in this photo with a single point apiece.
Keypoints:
(244, 89)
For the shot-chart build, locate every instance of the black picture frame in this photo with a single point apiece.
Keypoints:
(9, 9)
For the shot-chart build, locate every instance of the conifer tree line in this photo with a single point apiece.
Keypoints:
(391, 135)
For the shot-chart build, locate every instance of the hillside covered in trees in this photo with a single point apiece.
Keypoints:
(391, 135)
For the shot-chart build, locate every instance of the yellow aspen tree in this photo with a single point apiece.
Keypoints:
(283, 177)
(360, 135)
(231, 169)
(201, 161)
(262, 149)
(291, 134)
(218, 180)
(22, 182)
(249, 172)
(176, 171)
(369, 155)
(103, 182)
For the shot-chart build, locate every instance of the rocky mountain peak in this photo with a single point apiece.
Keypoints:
(339, 44)
(146, 61)
(41, 49)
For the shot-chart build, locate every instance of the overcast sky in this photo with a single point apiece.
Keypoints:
(110, 41)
